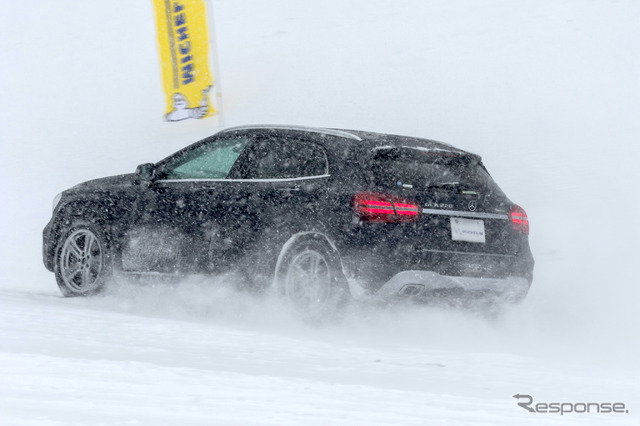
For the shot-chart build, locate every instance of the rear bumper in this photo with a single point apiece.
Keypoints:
(415, 272)
(429, 284)
(376, 269)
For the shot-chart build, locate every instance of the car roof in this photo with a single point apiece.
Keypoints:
(357, 137)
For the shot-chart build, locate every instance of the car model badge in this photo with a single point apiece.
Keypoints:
(472, 205)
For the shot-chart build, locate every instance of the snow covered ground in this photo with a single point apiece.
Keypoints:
(547, 92)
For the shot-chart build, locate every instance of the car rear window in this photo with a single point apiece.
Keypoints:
(422, 169)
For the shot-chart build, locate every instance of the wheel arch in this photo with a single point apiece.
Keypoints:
(87, 210)
(311, 236)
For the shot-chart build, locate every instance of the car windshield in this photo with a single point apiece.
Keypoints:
(423, 169)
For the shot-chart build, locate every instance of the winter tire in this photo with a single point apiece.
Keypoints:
(309, 276)
(82, 260)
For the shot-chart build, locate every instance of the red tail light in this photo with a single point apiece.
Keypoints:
(376, 207)
(519, 219)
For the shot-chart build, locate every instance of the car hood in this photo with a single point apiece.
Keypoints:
(104, 183)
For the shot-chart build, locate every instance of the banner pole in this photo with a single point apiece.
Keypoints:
(213, 48)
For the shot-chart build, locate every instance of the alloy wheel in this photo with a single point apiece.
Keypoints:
(81, 261)
(308, 280)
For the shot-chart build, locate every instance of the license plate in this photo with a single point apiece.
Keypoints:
(467, 230)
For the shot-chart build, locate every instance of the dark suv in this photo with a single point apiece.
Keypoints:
(312, 212)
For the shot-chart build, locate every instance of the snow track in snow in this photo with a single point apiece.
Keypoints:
(190, 354)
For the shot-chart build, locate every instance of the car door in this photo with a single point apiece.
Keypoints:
(180, 223)
(283, 177)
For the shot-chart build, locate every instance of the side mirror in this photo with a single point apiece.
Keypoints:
(144, 173)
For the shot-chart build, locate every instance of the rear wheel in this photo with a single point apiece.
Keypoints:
(82, 261)
(309, 276)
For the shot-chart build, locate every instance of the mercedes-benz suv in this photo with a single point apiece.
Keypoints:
(309, 212)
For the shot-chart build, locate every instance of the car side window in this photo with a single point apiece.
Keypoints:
(284, 158)
(209, 161)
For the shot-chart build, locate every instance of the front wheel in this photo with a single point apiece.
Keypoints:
(82, 261)
(309, 276)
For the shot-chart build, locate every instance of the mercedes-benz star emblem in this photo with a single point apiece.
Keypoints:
(472, 205)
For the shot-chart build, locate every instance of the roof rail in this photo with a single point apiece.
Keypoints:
(339, 133)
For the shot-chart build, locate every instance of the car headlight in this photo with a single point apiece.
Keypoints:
(56, 200)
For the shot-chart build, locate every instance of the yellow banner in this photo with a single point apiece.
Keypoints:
(183, 43)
